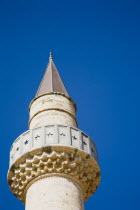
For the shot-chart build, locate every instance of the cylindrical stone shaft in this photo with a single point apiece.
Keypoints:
(54, 193)
(52, 109)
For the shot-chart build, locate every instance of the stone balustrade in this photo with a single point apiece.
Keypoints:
(51, 135)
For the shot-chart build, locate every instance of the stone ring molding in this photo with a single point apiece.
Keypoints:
(53, 150)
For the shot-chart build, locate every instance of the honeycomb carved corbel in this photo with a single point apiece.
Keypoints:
(54, 161)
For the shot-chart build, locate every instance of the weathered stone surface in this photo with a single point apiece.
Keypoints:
(52, 108)
(54, 193)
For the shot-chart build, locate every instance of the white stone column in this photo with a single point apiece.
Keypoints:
(54, 193)
(52, 109)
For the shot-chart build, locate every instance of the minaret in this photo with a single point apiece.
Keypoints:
(53, 165)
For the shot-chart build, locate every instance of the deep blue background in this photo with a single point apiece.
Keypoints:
(96, 48)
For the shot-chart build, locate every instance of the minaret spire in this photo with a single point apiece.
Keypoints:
(51, 81)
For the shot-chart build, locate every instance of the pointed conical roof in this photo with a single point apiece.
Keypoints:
(51, 81)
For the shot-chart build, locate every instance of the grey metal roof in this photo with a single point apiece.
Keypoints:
(51, 81)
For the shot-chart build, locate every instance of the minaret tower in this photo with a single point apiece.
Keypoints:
(53, 165)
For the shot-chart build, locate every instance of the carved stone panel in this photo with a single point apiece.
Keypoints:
(49, 135)
(63, 135)
(75, 137)
(17, 147)
(37, 137)
(26, 141)
(85, 142)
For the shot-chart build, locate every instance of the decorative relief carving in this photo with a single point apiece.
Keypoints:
(74, 137)
(62, 134)
(26, 142)
(49, 134)
(84, 143)
(36, 137)
(68, 161)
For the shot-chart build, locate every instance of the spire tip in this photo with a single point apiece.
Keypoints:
(50, 58)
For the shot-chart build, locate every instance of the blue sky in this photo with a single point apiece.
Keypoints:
(96, 48)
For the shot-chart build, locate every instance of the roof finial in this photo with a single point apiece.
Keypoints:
(50, 58)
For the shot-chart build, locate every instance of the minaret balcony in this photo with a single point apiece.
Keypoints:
(53, 150)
